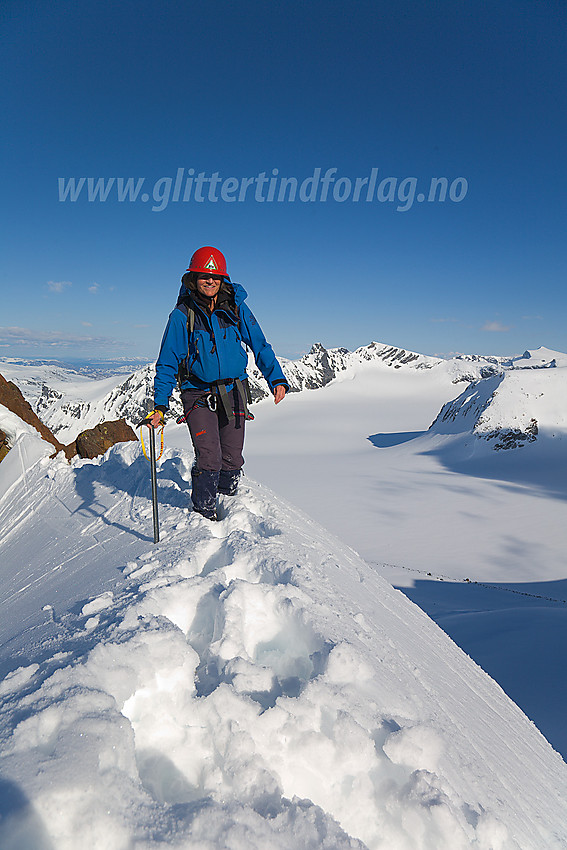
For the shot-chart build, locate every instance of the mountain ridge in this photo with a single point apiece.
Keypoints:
(69, 401)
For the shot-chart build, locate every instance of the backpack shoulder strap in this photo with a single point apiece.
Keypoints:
(190, 313)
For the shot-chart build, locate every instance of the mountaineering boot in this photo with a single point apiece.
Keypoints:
(228, 481)
(204, 492)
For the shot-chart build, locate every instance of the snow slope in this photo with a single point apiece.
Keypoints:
(422, 506)
(431, 509)
(358, 456)
(251, 683)
(25, 449)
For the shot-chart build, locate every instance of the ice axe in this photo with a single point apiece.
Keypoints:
(152, 458)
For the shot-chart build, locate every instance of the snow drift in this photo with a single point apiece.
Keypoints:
(251, 683)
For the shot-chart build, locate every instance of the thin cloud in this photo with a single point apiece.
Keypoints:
(495, 327)
(87, 324)
(58, 285)
(94, 288)
(14, 336)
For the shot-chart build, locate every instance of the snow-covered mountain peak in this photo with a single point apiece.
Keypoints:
(392, 356)
(322, 365)
(540, 358)
(511, 409)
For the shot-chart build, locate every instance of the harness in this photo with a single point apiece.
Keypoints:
(217, 390)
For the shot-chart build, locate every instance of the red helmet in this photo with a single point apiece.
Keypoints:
(208, 259)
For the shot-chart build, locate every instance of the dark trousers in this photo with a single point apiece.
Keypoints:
(217, 441)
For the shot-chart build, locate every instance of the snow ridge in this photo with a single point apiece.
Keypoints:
(253, 683)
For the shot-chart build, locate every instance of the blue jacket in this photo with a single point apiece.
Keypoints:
(215, 352)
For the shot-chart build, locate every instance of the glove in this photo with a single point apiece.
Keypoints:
(154, 419)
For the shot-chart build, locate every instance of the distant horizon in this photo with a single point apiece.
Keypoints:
(76, 360)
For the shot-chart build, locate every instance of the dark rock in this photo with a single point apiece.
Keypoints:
(514, 438)
(489, 371)
(4, 446)
(47, 397)
(96, 441)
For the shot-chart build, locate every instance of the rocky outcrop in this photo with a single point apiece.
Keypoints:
(4, 445)
(13, 400)
(89, 443)
(513, 438)
(96, 441)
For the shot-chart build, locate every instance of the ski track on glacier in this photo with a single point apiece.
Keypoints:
(211, 700)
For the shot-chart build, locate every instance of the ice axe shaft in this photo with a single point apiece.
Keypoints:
(154, 483)
(152, 459)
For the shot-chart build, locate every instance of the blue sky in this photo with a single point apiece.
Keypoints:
(473, 92)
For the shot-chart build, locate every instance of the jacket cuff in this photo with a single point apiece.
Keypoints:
(161, 407)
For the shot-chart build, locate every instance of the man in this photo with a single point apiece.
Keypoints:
(202, 348)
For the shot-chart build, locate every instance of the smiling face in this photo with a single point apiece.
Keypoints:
(208, 284)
